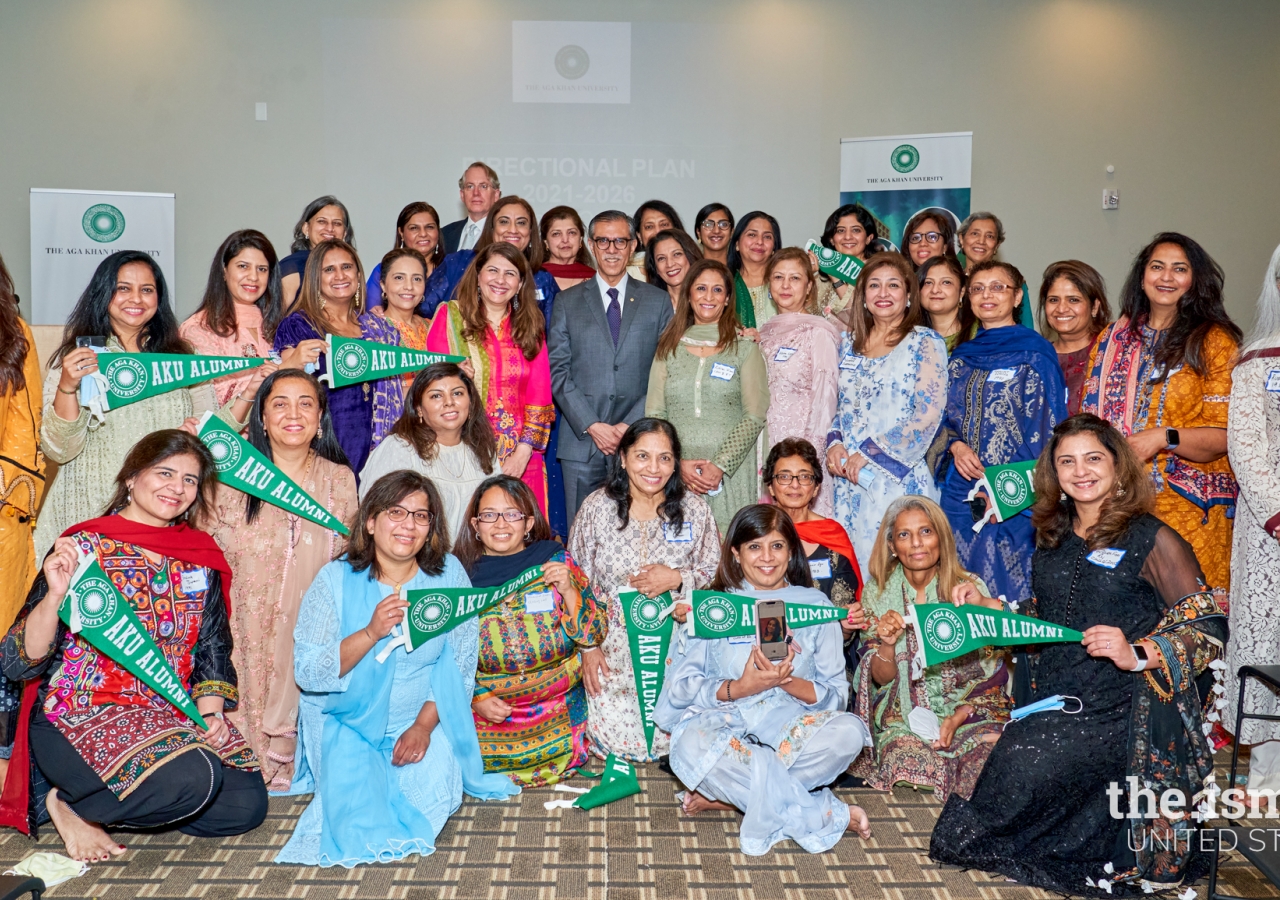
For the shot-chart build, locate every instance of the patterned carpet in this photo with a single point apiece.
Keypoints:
(640, 848)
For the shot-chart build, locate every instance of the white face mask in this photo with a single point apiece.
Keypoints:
(51, 868)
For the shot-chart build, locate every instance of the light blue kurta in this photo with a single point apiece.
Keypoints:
(766, 753)
(433, 785)
(889, 409)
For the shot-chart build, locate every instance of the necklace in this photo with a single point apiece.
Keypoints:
(440, 457)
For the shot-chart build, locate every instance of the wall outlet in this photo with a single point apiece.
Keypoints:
(1110, 198)
(260, 112)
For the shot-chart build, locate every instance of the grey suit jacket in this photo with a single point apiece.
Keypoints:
(590, 379)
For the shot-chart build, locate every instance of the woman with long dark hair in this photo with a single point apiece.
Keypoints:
(667, 259)
(1074, 309)
(851, 230)
(403, 273)
(443, 434)
(651, 217)
(114, 752)
(417, 229)
(645, 531)
(529, 702)
(754, 241)
(930, 232)
(127, 303)
(324, 219)
(942, 297)
(1127, 705)
(240, 309)
(275, 555)
(1161, 373)
(713, 226)
(21, 463)
(388, 741)
(714, 388)
(740, 722)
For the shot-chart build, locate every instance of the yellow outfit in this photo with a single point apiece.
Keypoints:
(21, 485)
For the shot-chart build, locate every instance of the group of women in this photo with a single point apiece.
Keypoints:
(805, 439)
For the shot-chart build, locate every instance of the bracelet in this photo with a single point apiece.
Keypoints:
(728, 691)
(72, 391)
(882, 658)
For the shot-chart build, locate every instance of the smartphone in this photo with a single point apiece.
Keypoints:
(94, 341)
(771, 628)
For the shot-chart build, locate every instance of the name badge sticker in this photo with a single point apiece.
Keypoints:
(1273, 380)
(1108, 557)
(194, 581)
(722, 371)
(742, 639)
(681, 535)
(1000, 376)
(820, 569)
(784, 354)
(848, 363)
(537, 294)
(539, 602)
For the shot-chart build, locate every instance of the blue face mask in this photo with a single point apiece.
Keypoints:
(1057, 701)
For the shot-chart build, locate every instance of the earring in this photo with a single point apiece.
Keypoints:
(319, 432)
(528, 536)
(908, 304)
(476, 533)
(1120, 490)
(322, 303)
(1063, 498)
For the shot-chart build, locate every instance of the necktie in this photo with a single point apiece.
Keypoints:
(468, 237)
(614, 315)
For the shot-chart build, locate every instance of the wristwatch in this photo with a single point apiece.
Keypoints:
(1171, 439)
(1140, 652)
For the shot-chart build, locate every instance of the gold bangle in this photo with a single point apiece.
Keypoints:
(72, 391)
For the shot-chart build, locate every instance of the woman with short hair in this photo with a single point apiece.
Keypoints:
(564, 236)
(417, 229)
(386, 735)
(713, 226)
(403, 273)
(1074, 308)
(324, 219)
(851, 230)
(759, 736)
(930, 232)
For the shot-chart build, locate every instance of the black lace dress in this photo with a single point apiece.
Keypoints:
(1039, 812)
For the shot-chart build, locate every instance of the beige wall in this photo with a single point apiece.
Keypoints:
(146, 95)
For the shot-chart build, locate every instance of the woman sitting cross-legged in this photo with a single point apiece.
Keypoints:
(385, 742)
(117, 754)
(530, 707)
(914, 561)
(756, 735)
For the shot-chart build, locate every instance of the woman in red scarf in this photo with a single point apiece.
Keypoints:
(567, 259)
(118, 754)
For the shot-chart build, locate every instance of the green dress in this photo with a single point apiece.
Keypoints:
(718, 405)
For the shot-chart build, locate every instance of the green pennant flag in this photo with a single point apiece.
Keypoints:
(436, 611)
(834, 263)
(618, 780)
(649, 626)
(246, 468)
(1011, 488)
(352, 361)
(130, 377)
(945, 631)
(100, 614)
(720, 615)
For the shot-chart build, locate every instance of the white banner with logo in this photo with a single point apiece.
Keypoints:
(71, 233)
(571, 62)
(896, 177)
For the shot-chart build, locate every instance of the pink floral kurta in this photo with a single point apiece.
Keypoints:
(246, 341)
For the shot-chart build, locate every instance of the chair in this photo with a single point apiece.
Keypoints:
(12, 887)
(1266, 860)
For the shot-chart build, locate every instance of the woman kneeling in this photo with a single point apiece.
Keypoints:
(117, 753)
(759, 736)
(394, 726)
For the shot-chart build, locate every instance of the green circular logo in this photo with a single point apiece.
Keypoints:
(351, 361)
(572, 62)
(431, 612)
(225, 449)
(905, 158)
(127, 377)
(1012, 488)
(944, 630)
(95, 601)
(717, 614)
(827, 256)
(103, 223)
(646, 612)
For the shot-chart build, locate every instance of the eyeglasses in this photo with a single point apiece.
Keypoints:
(995, 289)
(398, 514)
(511, 515)
(717, 224)
(931, 236)
(616, 243)
(785, 478)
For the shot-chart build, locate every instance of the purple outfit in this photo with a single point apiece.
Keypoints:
(363, 414)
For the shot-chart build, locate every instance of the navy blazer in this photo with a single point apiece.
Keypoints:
(451, 234)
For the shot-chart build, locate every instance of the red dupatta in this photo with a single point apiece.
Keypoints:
(831, 534)
(568, 270)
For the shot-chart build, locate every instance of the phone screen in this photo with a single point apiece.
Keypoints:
(772, 630)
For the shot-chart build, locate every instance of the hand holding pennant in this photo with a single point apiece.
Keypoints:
(1011, 488)
(124, 378)
(720, 615)
(834, 263)
(352, 361)
(246, 468)
(649, 626)
(945, 632)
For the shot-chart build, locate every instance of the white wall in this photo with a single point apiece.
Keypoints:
(379, 102)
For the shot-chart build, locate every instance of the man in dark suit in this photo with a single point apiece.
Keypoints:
(600, 344)
(479, 189)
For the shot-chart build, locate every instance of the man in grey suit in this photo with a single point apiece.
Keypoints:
(601, 343)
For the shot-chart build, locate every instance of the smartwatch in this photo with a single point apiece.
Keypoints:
(1171, 439)
(1141, 653)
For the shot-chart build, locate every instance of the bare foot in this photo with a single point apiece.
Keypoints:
(859, 822)
(4, 771)
(695, 803)
(85, 841)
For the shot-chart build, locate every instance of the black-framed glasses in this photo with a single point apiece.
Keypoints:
(616, 243)
(931, 236)
(806, 479)
(488, 517)
(398, 514)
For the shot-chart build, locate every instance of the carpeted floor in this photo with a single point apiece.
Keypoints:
(640, 848)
